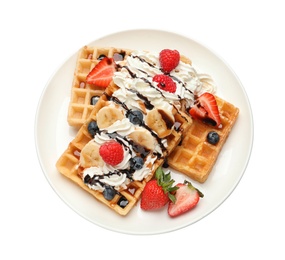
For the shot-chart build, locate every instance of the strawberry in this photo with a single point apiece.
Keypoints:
(206, 109)
(169, 60)
(102, 74)
(158, 192)
(198, 112)
(187, 197)
(165, 83)
(112, 152)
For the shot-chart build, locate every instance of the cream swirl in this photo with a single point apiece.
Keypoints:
(123, 127)
(140, 85)
(114, 175)
(142, 66)
(107, 174)
(136, 86)
(101, 176)
(145, 171)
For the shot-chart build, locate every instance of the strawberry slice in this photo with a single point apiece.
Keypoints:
(187, 197)
(102, 74)
(198, 112)
(206, 109)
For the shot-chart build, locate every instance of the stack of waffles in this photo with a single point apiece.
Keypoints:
(165, 131)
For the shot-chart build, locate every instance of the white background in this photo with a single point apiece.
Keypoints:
(37, 36)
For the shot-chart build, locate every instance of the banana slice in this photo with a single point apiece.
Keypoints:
(160, 121)
(90, 156)
(107, 116)
(144, 138)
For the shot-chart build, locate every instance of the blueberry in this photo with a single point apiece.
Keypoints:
(136, 163)
(123, 202)
(101, 57)
(93, 128)
(119, 56)
(165, 164)
(109, 193)
(94, 100)
(87, 179)
(135, 117)
(213, 137)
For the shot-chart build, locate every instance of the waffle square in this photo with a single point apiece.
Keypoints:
(82, 93)
(126, 199)
(195, 157)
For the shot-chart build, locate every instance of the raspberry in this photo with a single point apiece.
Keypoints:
(112, 152)
(165, 83)
(169, 60)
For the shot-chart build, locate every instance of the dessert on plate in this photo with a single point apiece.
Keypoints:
(136, 110)
(127, 136)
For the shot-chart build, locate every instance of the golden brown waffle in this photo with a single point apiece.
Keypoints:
(80, 105)
(69, 160)
(196, 157)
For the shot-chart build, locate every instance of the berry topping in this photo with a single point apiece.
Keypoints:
(101, 57)
(158, 192)
(123, 202)
(206, 109)
(187, 197)
(109, 193)
(135, 117)
(165, 83)
(169, 60)
(94, 100)
(119, 56)
(136, 163)
(112, 152)
(102, 74)
(92, 128)
(213, 137)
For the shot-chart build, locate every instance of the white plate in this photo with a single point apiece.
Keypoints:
(53, 134)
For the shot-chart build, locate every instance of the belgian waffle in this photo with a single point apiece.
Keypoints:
(82, 93)
(196, 157)
(124, 200)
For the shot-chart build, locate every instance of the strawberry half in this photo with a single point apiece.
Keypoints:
(206, 109)
(102, 74)
(187, 197)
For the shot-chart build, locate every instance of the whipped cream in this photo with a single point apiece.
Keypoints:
(136, 86)
(115, 176)
(142, 66)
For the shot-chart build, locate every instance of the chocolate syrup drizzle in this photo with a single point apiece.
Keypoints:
(149, 105)
(138, 149)
(153, 66)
